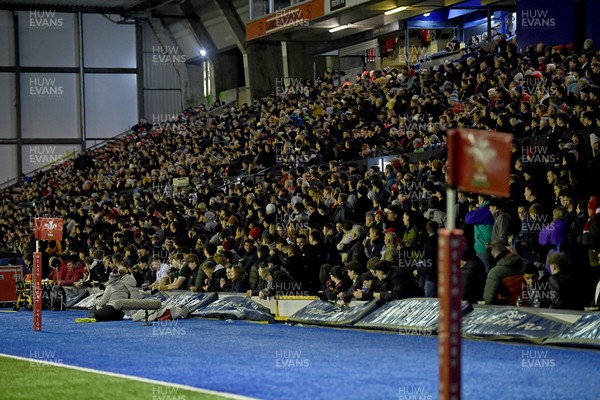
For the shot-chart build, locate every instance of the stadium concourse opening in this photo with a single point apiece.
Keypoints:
(242, 230)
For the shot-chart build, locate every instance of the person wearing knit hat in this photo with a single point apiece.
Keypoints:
(228, 245)
(254, 233)
(105, 310)
(114, 276)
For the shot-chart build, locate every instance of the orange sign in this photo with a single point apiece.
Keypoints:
(287, 18)
(479, 161)
(48, 228)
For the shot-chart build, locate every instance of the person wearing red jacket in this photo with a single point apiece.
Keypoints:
(74, 273)
(59, 264)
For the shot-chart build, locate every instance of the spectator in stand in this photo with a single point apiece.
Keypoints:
(504, 224)
(565, 285)
(428, 266)
(58, 268)
(188, 269)
(162, 273)
(505, 279)
(213, 273)
(474, 276)
(483, 221)
(536, 286)
(394, 284)
(390, 251)
(92, 274)
(353, 270)
(340, 282)
(275, 279)
(75, 273)
(554, 236)
(193, 145)
(374, 243)
(236, 280)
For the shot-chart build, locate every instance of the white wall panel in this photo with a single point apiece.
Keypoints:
(107, 44)
(7, 39)
(8, 120)
(161, 105)
(50, 106)
(47, 39)
(8, 162)
(110, 104)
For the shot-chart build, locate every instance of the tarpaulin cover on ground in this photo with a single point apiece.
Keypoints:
(510, 323)
(585, 331)
(419, 316)
(322, 312)
(234, 307)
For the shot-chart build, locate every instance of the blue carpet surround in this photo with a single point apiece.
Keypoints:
(279, 361)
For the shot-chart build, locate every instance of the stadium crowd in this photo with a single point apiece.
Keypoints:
(275, 197)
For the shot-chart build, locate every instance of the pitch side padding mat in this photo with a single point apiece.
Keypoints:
(321, 312)
(583, 332)
(510, 323)
(191, 300)
(417, 316)
(89, 302)
(234, 307)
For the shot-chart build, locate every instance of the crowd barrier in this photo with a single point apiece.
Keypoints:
(420, 316)
(327, 313)
(235, 307)
(416, 316)
(510, 323)
(583, 332)
(411, 316)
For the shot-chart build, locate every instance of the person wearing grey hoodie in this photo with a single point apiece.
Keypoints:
(116, 289)
(210, 221)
